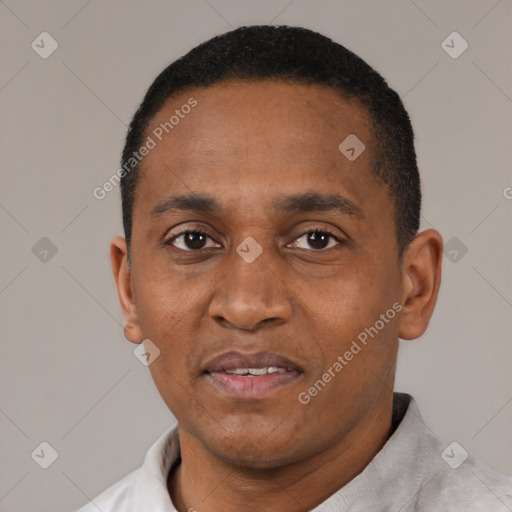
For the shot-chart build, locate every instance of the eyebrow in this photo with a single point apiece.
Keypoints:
(318, 202)
(200, 203)
(297, 203)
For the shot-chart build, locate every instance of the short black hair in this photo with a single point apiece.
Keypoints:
(301, 56)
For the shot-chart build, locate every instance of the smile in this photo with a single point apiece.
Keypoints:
(250, 376)
(251, 372)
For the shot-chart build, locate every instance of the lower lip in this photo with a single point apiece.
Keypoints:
(255, 387)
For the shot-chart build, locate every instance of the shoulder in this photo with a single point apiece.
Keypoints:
(117, 498)
(469, 487)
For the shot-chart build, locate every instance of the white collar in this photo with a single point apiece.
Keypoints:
(392, 478)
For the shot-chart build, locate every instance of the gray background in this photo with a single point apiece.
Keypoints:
(67, 375)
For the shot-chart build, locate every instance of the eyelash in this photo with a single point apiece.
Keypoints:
(326, 231)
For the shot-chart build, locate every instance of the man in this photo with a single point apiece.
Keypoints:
(271, 262)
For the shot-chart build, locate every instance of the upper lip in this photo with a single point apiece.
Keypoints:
(233, 360)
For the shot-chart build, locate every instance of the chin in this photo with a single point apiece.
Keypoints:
(253, 450)
(251, 457)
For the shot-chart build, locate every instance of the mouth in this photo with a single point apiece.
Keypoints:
(251, 376)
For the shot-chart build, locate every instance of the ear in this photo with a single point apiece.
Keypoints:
(122, 277)
(421, 277)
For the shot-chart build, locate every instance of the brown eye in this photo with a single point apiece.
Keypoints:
(192, 241)
(316, 240)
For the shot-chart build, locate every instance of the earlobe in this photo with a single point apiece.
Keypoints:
(421, 278)
(122, 278)
(132, 330)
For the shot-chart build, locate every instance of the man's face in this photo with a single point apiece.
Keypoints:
(264, 159)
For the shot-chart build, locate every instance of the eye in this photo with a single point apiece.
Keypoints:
(316, 240)
(192, 241)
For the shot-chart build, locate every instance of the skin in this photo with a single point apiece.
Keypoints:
(247, 146)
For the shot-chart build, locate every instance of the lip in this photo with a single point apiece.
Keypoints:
(232, 360)
(254, 387)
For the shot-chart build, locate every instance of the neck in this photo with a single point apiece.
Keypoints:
(206, 483)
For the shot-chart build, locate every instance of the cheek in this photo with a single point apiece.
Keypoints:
(358, 351)
(165, 302)
(163, 315)
(169, 312)
(349, 309)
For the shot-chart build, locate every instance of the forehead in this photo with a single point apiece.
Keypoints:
(303, 116)
(258, 138)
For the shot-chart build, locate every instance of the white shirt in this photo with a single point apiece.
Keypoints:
(409, 474)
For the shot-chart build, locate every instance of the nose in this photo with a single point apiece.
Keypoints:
(250, 295)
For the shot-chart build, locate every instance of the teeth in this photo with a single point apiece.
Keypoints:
(256, 371)
(239, 371)
(275, 369)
